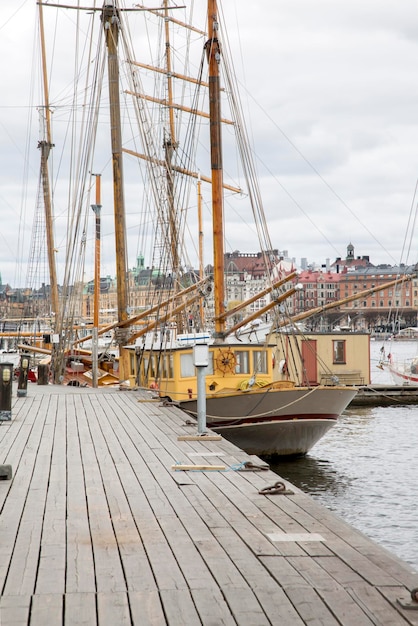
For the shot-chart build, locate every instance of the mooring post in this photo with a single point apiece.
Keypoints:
(22, 385)
(6, 379)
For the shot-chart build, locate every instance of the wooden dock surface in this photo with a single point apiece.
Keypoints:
(96, 527)
(385, 395)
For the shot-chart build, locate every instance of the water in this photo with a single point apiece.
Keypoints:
(365, 469)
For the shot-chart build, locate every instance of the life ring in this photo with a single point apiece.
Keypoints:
(226, 361)
(153, 385)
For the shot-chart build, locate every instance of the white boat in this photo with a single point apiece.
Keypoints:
(403, 371)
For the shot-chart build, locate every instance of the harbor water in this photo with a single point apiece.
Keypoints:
(365, 469)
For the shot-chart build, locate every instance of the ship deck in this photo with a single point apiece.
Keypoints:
(98, 526)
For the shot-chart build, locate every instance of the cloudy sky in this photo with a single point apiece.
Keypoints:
(332, 94)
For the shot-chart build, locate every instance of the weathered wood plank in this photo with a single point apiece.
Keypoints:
(14, 610)
(113, 608)
(146, 608)
(52, 561)
(80, 574)
(47, 609)
(80, 609)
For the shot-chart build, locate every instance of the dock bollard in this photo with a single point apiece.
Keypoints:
(6, 472)
(22, 385)
(43, 374)
(6, 379)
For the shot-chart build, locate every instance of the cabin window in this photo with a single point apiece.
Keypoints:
(260, 361)
(186, 365)
(167, 369)
(338, 351)
(132, 359)
(171, 366)
(242, 362)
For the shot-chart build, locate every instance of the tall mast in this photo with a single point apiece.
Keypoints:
(45, 146)
(201, 270)
(170, 146)
(97, 209)
(214, 56)
(110, 18)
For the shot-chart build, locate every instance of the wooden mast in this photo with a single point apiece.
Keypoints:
(110, 19)
(96, 209)
(170, 146)
(45, 146)
(201, 236)
(214, 55)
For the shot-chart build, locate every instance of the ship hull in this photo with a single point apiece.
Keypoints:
(402, 376)
(284, 422)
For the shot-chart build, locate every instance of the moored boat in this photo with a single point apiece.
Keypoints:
(249, 399)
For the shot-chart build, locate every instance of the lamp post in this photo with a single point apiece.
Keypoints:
(201, 361)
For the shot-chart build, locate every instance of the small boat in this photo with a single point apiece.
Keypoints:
(403, 372)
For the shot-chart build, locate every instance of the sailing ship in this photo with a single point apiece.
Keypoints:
(250, 398)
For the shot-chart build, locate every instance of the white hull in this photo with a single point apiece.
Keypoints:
(402, 376)
(284, 422)
(404, 372)
(287, 438)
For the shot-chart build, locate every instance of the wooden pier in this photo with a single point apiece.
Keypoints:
(99, 526)
(385, 395)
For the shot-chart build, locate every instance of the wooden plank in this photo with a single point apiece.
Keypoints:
(199, 438)
(14, 610)
(146, 608)
(52, 561)
(80, 609)
(311, 608)
(378, 609)
(179, 608)
(212, 607)
(197, 468)
(395, 595)
(80, 574)
(112, 609)
(47, 609)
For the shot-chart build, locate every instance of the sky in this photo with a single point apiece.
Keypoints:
(331, 93)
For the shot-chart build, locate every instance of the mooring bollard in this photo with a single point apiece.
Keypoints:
(22, 385)
(5, 472)
(6, 379)
(43, 374)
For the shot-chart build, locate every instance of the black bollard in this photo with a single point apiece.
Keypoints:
(43, 374)
(22, 385)
(6, 379)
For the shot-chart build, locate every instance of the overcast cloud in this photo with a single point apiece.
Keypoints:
(333, 94)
